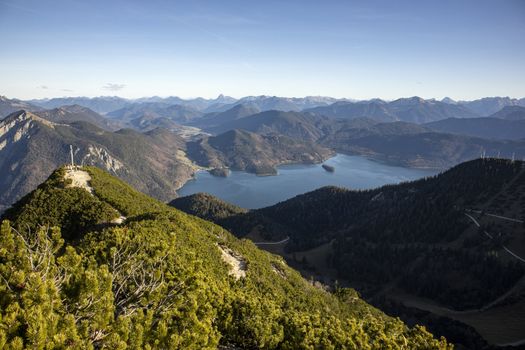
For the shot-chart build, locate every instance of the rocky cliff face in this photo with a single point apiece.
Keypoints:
(32, 147)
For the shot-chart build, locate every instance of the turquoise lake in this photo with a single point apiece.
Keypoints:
(251, 191)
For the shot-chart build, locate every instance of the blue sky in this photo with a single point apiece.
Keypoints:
(354, 49)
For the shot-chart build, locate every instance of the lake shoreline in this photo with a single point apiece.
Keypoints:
(198, 169)
(250, 190)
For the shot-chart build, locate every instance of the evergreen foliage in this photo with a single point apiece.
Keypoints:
(52, 204)
(206, 206)
(120, 195)
(158, 281)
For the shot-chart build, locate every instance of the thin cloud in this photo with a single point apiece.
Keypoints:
(67, 90)
(185, 20)
(367, 14)
(44, 87)
(18, 7)
(114, 87)
(220, 19)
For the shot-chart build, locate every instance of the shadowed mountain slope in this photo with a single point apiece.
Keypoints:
(486, 127)
(77, 113)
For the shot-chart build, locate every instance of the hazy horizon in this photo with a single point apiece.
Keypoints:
(356, 49)
(240, 97)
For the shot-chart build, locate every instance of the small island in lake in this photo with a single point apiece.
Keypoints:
(328, 168)
(221, 172)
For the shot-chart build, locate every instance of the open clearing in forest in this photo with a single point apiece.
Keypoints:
(237, 264)
(79, 178)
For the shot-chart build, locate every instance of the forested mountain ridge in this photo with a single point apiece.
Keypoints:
(175, 113)
(303, 126)
(430, 149)
(73, 277)
(260, 154)
(206, 206)
(376, 109)
(216, 119)
(511, 113)
(102, 104)
(414, 240)
(398, 143)
(285, 104)
(485, 127)
(489, 105)
(8, 106)
(76, 113)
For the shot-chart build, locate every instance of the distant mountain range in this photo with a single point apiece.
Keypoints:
(152, 110)
(267, 103)
(77, 113)
(106, 104)
(415, 248)
(375, 109)
(489, 105)
(98, 104)
(485, 127)
(414, 109)
(8, 106)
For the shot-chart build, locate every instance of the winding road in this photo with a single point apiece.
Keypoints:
(491, 237)
(273, 243)
(495, 216)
